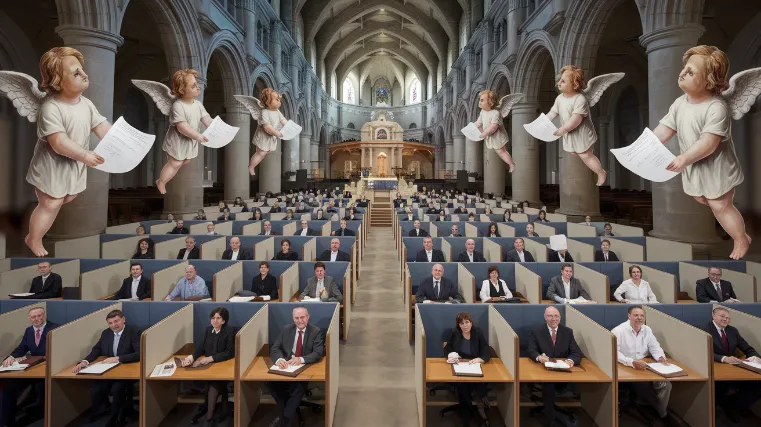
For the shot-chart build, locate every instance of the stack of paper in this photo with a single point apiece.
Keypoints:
(23, 294)
(15, 367)
(664, 369)
(542, 128)
(752, 364)
(241, 299)
(164, 369)
(98, 368)
(466, 368)
(560, 364)
(123, 147)
(289, 368)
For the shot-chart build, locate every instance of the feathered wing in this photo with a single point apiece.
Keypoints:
(597, 86)
(507, 102)
(253, 104)
(744, 88)
(159, 93)
(22, 90)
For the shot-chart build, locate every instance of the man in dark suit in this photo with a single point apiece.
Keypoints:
(334, 254)
(566, 287)
(236, 253)
(305, 230)
(119, 343)
(399, 202)
(431, 210)
(46, 285)
(362, 202)
(343, 231)
(190, 251)
(713, 288)
(726, 341)
(267, 229)
(559, 256)
(437, 288)
(428, 253)
(470, 254)
(552, 340)
(298, 343)
(454, 231)
(605, 255)
(179, 228)
(33, 343)
(417, 231)
(331, 207)
(518, 253)
(136, 286)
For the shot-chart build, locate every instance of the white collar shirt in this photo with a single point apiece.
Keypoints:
(135, 284)
(521, 255)
(635, 346)
(567, 288)
(429, 254)
(41, 328)
(333, 255)
(304, 231)
(234, 256)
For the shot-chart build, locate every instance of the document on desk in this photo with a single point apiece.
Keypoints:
(290, 130)
(16, 367)
(219, 133)
(241, 299)
(751, 366)
(666, 371)
(466, 369)
(542, 129)
(559, 364)
(471, 132)
(164, 369)
(98, 368)
(646, 157)
(123, 147)
(289, 371)
(23, 294)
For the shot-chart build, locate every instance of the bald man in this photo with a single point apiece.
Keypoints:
(438, 288)
(470, 254)
(236, 253)
(46, 285)
(334, 253)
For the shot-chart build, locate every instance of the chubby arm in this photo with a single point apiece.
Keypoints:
(706, 144)
(570, 125)
(490, 130)
(185, 129)
(63, 145)
(206, 120)
(552, 115)
(272, 131)
(664, 133)
(102, 129)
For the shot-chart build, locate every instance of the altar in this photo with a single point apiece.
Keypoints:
(380, 183)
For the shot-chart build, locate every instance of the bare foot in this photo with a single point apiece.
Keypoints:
(601, 178)
(251, 170)
(35, 246)
(740, 248)
(161, 186)
(512, 167)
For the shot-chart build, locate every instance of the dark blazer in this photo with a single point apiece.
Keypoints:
(477, 257)
(432, 211)
(195, 253)
(406, 218)
(272, 233)
(176, 230)
(557, 288)
(27, 344)
(399, 202)
(219, 347)
(735, 340)
(535, 235)
(554, 257)
(565, 346)
(332, 210)
(599, 257)
(705, 292)
(436, 256)
(512, 256)
(447, 290)
(345, 232)
(325, 256)
(362, 204)
(291, 256)
(51, 289)
(242, 254)
(478, 344)
(310, 232)
(147, 255)
(313, 344)
(143, 289)
(412, 233)
(129, 345)
(268, 286)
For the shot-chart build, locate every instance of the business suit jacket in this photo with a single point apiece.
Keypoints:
(705, 292)
(512, 256)
(27, 344)
(51, 289)
(290, 256)
(599, 256)
(242, 254)
(412, 233)
(556, 288)
(129, 345)
(143, 289)
(312, 344)
(565, 346)
(272, 233)
(477, 257)
(334, 294)
(436, 256)
(554, 257)
(478, 344)
(447, 290)
(195, 253)
(176, 230)
(268, 286)
(220, 350)
(399, 202)
(406, 218)
(345, 232)
(325, 256)
(310, 232)
(735, 340)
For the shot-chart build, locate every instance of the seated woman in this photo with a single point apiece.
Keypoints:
(494, 288)
(239, 202)
(635, 290)
(264, 284)
(493, 230)
(487, 210)
(542, 217)
(507, 217)
(222, 206)
(257, 216)
(442, 215)
(286, 254)
(218, 345)
(468, 342)
(144, 249)
(319, 215)
(201, 215)
(226, 216)
(471, 217)
(289, 214)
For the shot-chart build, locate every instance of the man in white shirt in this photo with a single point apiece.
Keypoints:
(305, 230)
(455, 231)
(417, 231)
(566, 289)
(267, 229)
(211, 230)
(519, 252)
(236, 253)
(135, 287)
(428, 253)
(636, 341)
(334, 253)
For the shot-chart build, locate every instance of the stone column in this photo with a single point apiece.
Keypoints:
(270, 171)
(362, 158)
(392, 160)
(471, 155)
(308, 89)
(277, 54)
(458, 152)
(525, 179)
(295, 74)
(286, 14)
(247, 13)
(469, 65)
(237, 153)
(399, 154)
(291, 157)
(516, 14)
(487, 50)
(676, 216)
(579, 196)
(448, 159)
(88, 213)
(494, 172)
(304, 152)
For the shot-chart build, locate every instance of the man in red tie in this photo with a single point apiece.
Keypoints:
(297, 344)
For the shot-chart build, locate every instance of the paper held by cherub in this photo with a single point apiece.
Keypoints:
(272, 124)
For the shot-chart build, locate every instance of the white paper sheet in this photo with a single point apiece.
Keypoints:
(557, 365)
(542, 128)
(23, 294)
(219, 133)
(471, 132)
(664, 369)
(752, 364)
(98, 368)
(646, 157)
(241, 299)
(290, 130)
(468, 368)
(289, 368)
(123, 147)
(166, 369)
(14, 367)
(558, 242)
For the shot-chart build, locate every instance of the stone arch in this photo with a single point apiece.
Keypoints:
(302, 118)
(535, 53)
(262, 75)
(226, 50)
(448, 123)
(289, 109)
(497, 73)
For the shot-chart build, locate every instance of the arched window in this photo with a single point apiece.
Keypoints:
(350, 125)
(348, 92)
(415, 94)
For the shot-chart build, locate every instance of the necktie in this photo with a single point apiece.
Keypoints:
(436, 289)
(725, 341)
(554, 337)
(37, 338)
(606, 256)
(299, 344)
(718, 292)
(116, 343)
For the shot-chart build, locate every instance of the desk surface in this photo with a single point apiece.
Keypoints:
(36, 371)
(437, 370)
(628, 374)
(218, 371)
(257, 371)
(123, 371)
(727, 372)
(587, 372)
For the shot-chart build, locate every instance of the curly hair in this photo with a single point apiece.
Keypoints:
(715, 66)
(491, 97)
(180, 79)
(577, 76)
(268, 95)
(51, 67)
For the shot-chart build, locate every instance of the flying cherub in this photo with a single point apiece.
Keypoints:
(493, 114)
(270, 120)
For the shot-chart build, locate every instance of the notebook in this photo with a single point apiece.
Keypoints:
(465, 369)
(666, 371)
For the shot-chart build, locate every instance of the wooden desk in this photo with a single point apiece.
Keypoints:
(629, 374)
(437, 370)
(123, 371)
(586, 372)
(257, 371)
(726, 372)
(218, 371)
(36, 371)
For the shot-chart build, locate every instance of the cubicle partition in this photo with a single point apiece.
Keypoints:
(119, 246)
(495, 248)
(349, 245)
(528, 283)
(124, 228)
(83, 247)
(665, 250)
(594, 282)
(19, 278)
(415, 273)
(211, 247)
(543, 229)
(247, 228)
(167, 246)
(580, 230)
(103, 282)
(250, 342)
(620, 230)
(164, 280)
(631, 249)
(580, 251)
(506, 230)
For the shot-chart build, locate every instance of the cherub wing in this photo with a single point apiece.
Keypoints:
(23, 91)
(596, 86)
(507, 102)
(744, 88)
(159, 92)
(253, 104)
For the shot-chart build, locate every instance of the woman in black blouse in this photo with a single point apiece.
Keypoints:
(468, 342)
(218, 345)
(507, 217)
(286, 254)
(257, 215)
(493, 230)
(144, 249)
(264, 284)
(542, 216)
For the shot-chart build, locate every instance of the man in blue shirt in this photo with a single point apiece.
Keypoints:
(190, 286)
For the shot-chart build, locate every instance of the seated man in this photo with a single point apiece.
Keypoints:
(559, 256)
(235, 252)
(530, 230)
(461, 210)
(334, 253)
(399, 202)
(140, 230)
(362, 202)
(190, 251)
(726, 341)
(118, 343)
(331, 207)
(417, 231)
(428, 253)
(713, 289)
(191, 286)
(552, 340)
(455, 231)
(33, 343)
(297, 344)
(302, 208)
(608, 230)
(605, 254)
(179, 228)
(635, 342)
(518, 253)
(343, 231)
(267, 229)
(470, 254)
(431, 210)
(136, 286)
(565, 288)
(46, 285)
(437, 288)
(211, 230)
(304, 230)
(322, 287)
